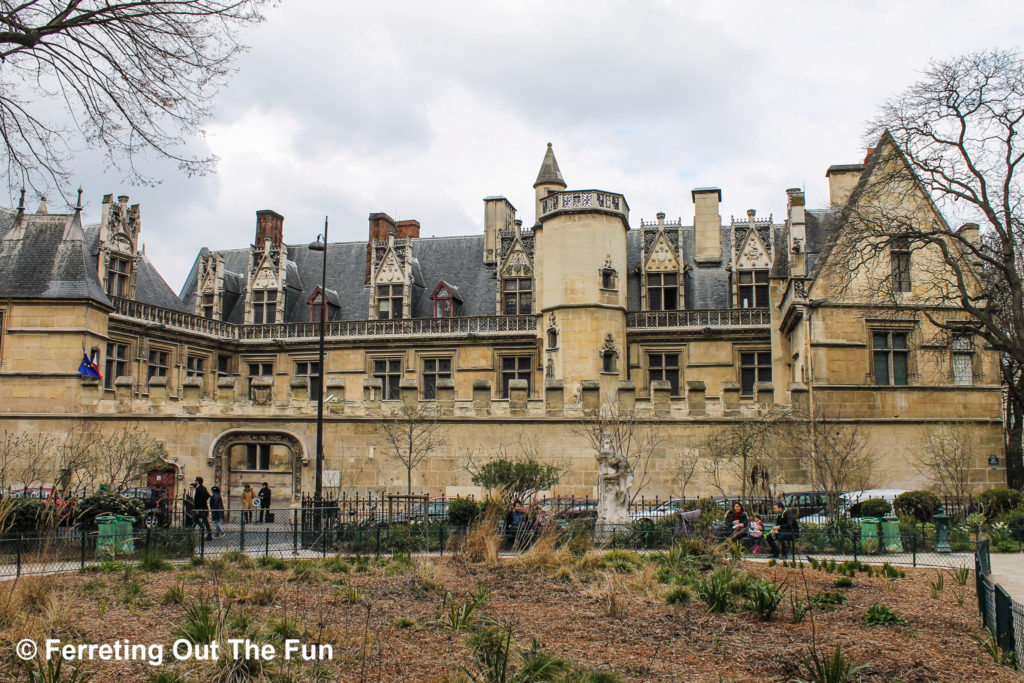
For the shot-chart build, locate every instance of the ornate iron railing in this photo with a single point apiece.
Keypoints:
(493, 325)
(714, 317)
(575, 200)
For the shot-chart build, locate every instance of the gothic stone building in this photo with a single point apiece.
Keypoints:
(513, 336)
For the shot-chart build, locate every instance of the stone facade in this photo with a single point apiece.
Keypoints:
(517, 335)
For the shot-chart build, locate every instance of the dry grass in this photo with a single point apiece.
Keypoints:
(545, 553)
(481, 541)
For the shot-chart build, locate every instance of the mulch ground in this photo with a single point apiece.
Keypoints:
(366, 616)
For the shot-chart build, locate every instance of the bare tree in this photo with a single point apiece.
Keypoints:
(411, 435)
(122, 458)
(136, 77)
(747, 453)
(834, 455)
(14, 449)
(687, 460)
(950, 146)
(638, 441)
(947, 454)
(73, 454)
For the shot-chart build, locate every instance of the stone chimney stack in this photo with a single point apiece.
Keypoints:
(269, 226)
(499, 214)
(842, 179)
(970, 232)
(797, 221)
(707, 224)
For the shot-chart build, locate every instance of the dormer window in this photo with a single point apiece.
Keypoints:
(117, 276)
(753, 289)
(662, 291)
(389, 302)
(446, 300)
(264, 306)
(316, 305)
(518, 295)
(208, 306)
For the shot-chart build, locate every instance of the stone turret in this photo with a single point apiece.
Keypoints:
(549, 179)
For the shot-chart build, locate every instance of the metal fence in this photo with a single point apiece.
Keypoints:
(1002, 615)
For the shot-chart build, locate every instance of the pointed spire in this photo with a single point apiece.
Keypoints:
(549, 173)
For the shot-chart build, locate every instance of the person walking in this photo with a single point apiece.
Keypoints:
(217, 512)
(265, 502)
(248, 496)
(202, 509)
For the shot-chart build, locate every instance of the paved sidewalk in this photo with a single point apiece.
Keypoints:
(1008, 571)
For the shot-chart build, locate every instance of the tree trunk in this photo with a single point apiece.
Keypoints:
(1014, 433)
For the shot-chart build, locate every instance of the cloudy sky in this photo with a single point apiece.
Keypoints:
(421, 109)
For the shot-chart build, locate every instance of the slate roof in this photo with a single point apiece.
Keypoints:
(46, 256)
(820, 223)
(456, 260)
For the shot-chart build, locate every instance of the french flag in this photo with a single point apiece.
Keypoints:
(88, 368)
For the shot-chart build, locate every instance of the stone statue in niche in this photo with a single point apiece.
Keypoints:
(614, 479)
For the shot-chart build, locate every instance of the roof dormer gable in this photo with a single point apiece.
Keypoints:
(662, 257)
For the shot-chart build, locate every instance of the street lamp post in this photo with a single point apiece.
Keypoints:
(319, 485)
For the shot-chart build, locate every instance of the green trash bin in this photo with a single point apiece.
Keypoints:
(125, 533)
(891, 540)
(869, 534)
(106, 541)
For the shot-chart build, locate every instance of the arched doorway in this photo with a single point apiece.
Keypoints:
(254, 456)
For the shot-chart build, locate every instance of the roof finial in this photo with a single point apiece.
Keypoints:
(78, 204)
(21, 202)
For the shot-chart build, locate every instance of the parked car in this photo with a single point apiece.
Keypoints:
(806, 503)
(40, 492)
(850, 502)
(587, 510)
(158, 510)
(651, 515)
(437, 509)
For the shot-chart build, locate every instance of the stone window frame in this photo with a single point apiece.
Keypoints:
(645, 354)
(739, 352)
(204, 373)
(661, 287)
(757, 288)
(207, 304)
(157, 369)
(609, 277)
(110, 377)
(387, 389)
(438, 374)
(499, 369)
(889, 350)
(899, 264)
(396, 302)
(518, 294)
(967, 348)
(248, 361)
(312, 380)
(266, 305)
(118, 279)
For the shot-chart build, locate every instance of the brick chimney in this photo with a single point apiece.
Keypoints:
(408, 229)
(269, 226)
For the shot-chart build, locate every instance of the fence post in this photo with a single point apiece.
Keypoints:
(241, 532)
(295, 532)
(440, 539)
(149, 536)
(18, 568)
(913, 547)
(376, 552)
(82, 537)
(1004, 619)
(202, 544)
(266, 543)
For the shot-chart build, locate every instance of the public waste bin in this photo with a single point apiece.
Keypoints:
(869, 534)
(891, 540)
(106, 540)
(125, 533)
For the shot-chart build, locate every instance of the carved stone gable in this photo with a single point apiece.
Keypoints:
(390, 270)
(752, 253)
(662, 257)
(518, 262)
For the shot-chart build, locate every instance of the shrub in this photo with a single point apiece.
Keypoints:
(843, 582)
(880, 615)
(620, 561)
(154, 562)
(200, 625)
(826, 601)
(680, 595)
(1015, 522)
(875, 507)
(715, 591)
(29, 515)
(763, 598)
(834, 668)
(107, 503)
(463, 511)
(920, 506)
(996, 502)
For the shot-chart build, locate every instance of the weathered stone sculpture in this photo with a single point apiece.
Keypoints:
(614, 479)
